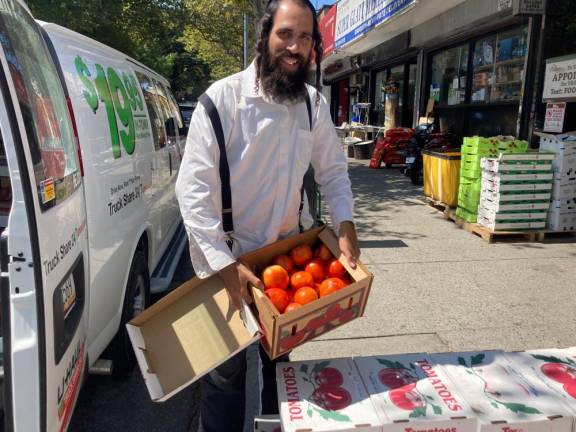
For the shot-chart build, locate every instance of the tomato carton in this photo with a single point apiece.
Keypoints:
(283, 332)
(504, 399)
(324, 395)
(556, 368)
(412, 394)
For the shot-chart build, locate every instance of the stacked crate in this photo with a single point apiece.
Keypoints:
(473, 150)
(515, 191)
(562, 215)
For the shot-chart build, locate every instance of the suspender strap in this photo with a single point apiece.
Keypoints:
(227, 220)
(309, 108)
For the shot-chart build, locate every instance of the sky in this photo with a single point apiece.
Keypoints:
(319, 3)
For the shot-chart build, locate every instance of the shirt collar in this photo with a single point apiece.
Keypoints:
(249, 81)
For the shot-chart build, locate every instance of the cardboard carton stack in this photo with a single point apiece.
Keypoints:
(562, 215)
(473, 150)
(515, 191)
(484, 391)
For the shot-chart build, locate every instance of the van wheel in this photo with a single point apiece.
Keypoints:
(137, 299)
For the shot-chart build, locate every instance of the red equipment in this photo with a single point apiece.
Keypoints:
(387, 147)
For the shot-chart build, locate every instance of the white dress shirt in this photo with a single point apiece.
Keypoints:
(269, 148)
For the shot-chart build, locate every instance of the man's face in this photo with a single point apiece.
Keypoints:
(290, 43)
(286, 59)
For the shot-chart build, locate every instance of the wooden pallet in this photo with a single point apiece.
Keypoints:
(490, 236)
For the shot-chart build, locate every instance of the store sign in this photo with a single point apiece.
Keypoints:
(555, 113)
(355, 17)
(560, 80)
(327, 27)
(529, 7)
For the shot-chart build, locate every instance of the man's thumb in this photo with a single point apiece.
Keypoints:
(256, 282)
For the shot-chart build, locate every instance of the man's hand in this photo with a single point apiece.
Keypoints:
(348, 243)
(236, 278)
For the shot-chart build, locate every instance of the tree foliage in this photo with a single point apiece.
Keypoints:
(191, 42)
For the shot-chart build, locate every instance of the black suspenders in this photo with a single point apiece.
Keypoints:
(227, 220)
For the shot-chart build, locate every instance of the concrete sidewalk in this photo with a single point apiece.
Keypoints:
(439, 288)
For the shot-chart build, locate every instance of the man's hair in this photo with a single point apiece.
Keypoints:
(266, 24)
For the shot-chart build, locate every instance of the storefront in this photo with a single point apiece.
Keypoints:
(477, 83)
(475, 63)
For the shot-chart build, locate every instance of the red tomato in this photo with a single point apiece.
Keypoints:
(301, 255)
(330, 285)
(335, 269)
(284, 261)
(275, 276)
(278, 297)
(316, 269)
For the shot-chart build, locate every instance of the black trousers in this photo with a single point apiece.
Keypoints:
(223, 399)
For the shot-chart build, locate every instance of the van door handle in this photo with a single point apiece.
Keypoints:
(170, 162)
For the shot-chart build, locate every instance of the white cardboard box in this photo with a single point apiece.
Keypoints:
(498, 166)
(412, 394)
(503, 399)
(509, 226)
(497, 185)
(324, 396)
(560, 191)
(490, 176)
(561, 220)
(513, 197)
(524, 216)
(496, 206)
(556, 368)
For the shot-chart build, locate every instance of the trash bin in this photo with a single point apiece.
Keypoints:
(362, 150)
(351, 150)
(442, 176)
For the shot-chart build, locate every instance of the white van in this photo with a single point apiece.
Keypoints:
(90, 226)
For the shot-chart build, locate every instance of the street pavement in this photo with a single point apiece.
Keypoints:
(436, 288)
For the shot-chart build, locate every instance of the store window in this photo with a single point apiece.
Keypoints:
(449, 75)
(394, 95)
(499, 67)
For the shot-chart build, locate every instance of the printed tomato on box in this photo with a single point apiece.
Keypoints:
(322, 396)
(504, 399)
(412, 394)
(556, 368)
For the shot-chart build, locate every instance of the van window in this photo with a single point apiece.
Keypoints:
(174, 110)
(43, 106)
(151, 90)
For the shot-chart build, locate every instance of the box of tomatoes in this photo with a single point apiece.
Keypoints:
(310, 289)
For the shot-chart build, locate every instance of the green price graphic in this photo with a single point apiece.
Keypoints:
(120, 97)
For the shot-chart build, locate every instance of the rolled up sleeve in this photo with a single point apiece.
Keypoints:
(331, 168)
(198, 192)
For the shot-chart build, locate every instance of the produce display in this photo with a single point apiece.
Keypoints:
(473, 150)
(562, 214)
(482, 391)
(522, 208)
(303, 276)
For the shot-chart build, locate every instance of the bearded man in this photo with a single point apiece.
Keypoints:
(240, 182)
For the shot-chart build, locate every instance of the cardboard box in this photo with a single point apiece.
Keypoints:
(267, 423)
(503, 399)
(520, 216)
(565, 178)
(496, 166)
(531, 156)
(506, 177)
(556, 368)
(510, 225)
(410, 393)
(560, 191)
(498, 185)
(496, 206)
(283, 332)
(561, 220)
(188, 333)
(324, 395)
(511, 197)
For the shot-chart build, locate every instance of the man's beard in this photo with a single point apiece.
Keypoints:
(281, 85)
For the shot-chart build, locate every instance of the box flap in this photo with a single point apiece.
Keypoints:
(331, 241)
(190, 333)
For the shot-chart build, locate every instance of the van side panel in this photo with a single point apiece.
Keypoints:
(125, 178)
